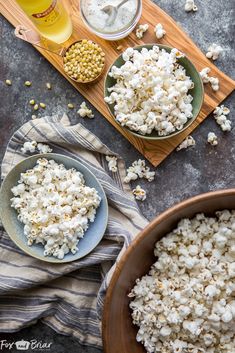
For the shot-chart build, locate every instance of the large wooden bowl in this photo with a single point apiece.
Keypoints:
(118, 331)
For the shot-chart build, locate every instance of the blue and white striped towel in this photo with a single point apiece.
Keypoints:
(67, 297)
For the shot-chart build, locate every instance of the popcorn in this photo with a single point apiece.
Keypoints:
(84, 111)
(141, 30)
(33, 145)
(151, 91)
(127, 54)
(190, 6)
(212, 139)
(42, 148)
(112, 163)
(214, 81)
(139, 193)
(214, 51)
(204, 75)
(220, 114)
(189, 141)
(55, 206)
(186, 301)
(29, 146)
(137, 170)
(222, 110)
(159, 31)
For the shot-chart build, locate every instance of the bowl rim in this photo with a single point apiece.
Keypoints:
(110, 35)
(162, 216)
(149, 137)
(15, 239)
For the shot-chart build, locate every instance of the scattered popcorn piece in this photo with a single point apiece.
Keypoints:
(27, 83)
(214, 81)
(186, 301)
(8, 82)
(214, 51)
(85, 111)
(190, 6)
(159, 31)
(225, 126)
(29, 146)
(137, 170)
(112, 163)
(204, 75)
(151, 91)
(42, 105)
(220, 114)
(212, 139)
(48, 85)
(189, 141)
(34, 116)
(55, 206)
(141, 30)
(221, 110)
(43, 148)
(139, 193)
(70, 105)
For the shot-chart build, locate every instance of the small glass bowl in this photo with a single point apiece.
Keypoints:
(114, 35)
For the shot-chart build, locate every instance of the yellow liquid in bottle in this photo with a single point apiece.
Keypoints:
(50, 18)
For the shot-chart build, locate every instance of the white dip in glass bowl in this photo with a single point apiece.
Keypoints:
(128, 16)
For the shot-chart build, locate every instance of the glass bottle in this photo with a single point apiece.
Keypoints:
(50, 18)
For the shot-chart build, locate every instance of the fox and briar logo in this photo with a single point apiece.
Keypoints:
(23, 345)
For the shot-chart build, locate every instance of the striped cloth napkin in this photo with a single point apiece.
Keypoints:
(67, 297)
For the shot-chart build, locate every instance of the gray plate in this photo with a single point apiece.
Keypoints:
(14, 227)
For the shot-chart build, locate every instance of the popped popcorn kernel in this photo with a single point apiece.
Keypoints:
(189, 141)
(141, 29)
(220, 115)
(29, 146)
(43, 148)
(190, 6)
(159, 31)
(112, 163)
(214, 51)
(84, 111)
(214, 81)
(212, 139)
(139, 193)
(137, 170)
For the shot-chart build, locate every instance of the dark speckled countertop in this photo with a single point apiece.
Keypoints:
(181, 175)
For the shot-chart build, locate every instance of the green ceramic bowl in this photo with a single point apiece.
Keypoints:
(14, 227)
(197, 92)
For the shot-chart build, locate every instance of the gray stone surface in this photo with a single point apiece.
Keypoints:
(181, 175)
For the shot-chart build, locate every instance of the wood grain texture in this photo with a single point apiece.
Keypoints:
(118, 331)
(154, 151)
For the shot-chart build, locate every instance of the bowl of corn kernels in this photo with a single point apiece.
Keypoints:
(84, 61)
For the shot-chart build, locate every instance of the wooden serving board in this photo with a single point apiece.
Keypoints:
(154, 151)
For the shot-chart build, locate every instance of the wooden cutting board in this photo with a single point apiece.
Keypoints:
(155, 152)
